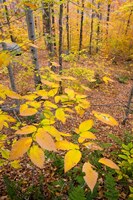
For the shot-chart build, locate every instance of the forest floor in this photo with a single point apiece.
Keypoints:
(108, 98)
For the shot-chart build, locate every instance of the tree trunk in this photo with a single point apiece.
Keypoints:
(32, 37)
(8, 21)
(47, 30)
(67, 28)
(108, 17)
(99, 16)
(81, 26)
(127, 111)
(60, 42)
(53, 26)
(91, 29)
(128, 22)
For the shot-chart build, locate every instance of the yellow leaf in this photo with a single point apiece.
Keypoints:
(60, 115)
(90, 175)
(42, 93)
(15, 164)
(50, 84)
(45, 122)
(92, 146)
(86, 88)
(86, 135)
(79, 110)
(86, 125)
(36, 155)
(1, 102)
(65, 145)
(53, 131)
(107, 79)
(1, 124)
(70, 93)
(57, 99)
(13, 95)
(30, 97)
(4, 59)
(68, 78)
(34, 104)
(32, 6)
(108, 163)
(106, 118)
(69, 110)
(45, 140)
(71, 159)
(25, 111)
(52, 92)
(49, 104)
(20, 148)
(26, 130)
(85, 104)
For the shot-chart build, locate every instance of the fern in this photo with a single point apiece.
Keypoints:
(77, 193)
(110, 186)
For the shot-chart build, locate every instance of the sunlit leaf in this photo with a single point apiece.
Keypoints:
(5, 153)
(65, 145)
(45, 122)
(13, 95)
(106, 118)
(91, 175)
(108, 163)
(30, 97)
(60, 115)
(45, 140)
(71, 159)
(68, 78)
(15, 164)
(25, 111)
(70, 93)
(36, 155)
(50, 84)
(53, 131)
(49, 104)
(31, 5)
(86, 135)
(85, 104)
(57, 99)
(42, 93)
(52, 92)
(26, 130)
(1, 102)
(92, 146)
(79, 110)
(4, 59)
(20, 148)
(34, 104)
(107, 80)
(86, 125)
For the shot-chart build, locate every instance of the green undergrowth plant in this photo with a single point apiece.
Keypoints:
(38, 136)
(111, 193)
(125, 162)
(15, 190)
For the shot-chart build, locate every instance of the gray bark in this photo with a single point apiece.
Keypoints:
(67, 27)
(81, 26)
(108, 18)
(10, 71)
(127, 111)
(91, 30)
(60, 42)
(128, 22)
(32, 37)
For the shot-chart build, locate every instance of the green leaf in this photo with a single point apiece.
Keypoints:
(77, 193)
